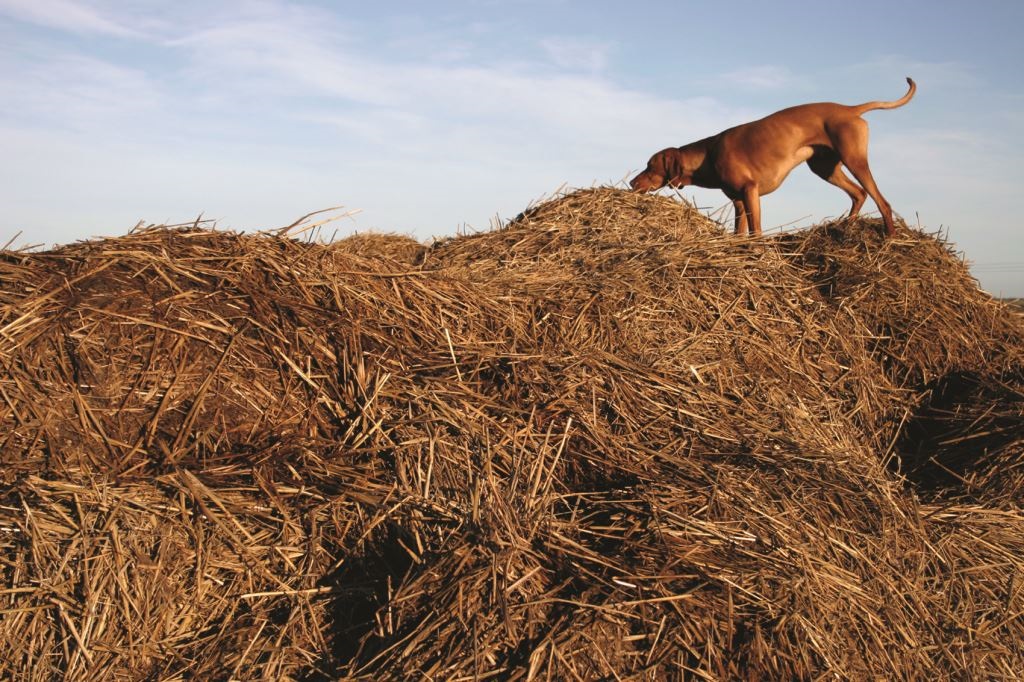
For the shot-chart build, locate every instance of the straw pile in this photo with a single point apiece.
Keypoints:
(605, 441)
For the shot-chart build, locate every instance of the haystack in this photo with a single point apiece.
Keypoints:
(605, 441)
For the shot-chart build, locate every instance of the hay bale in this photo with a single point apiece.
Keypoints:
(398, 247)
(917, 297)
(604, 440)
(936, 332)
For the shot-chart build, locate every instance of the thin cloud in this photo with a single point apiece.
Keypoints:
(950, 75)
(765, 77)
(74, 91)
(935, 158)
(575, 54)
(285, 59)
(66, 15)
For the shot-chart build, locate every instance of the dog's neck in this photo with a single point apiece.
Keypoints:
(693, 164)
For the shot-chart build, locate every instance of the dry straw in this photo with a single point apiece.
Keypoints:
(605, 441)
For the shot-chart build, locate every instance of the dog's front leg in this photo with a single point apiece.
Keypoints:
(740, 219)
(752, 203)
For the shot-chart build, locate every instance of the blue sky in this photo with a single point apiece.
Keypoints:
(428, 118)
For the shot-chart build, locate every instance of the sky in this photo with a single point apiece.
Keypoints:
(433, 118)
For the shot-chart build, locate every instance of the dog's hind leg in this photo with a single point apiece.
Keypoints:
(852, 144)
(826, 165)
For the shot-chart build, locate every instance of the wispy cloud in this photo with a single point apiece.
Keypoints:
(66, 15)
(279, 61)
(945, 75)
(576, 53)
(764, 77)
(63, 89)
(322, 78)
(936, 158)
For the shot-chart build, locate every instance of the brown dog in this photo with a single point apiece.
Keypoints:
(753, 159)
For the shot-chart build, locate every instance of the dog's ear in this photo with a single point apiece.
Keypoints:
(657, 164)
(676, 172)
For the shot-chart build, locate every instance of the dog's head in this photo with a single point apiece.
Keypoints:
(664, 168)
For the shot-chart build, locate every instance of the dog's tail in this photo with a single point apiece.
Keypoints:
(868, 106)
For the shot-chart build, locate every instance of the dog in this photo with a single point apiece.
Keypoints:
(753, 159)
